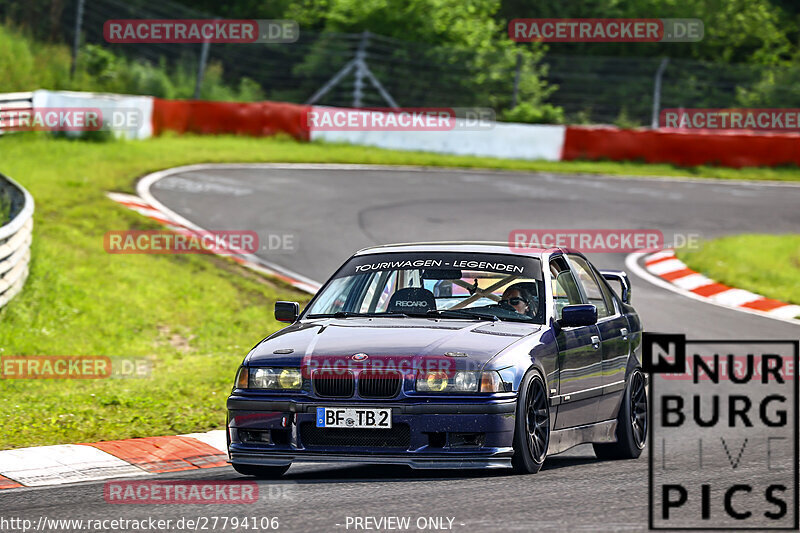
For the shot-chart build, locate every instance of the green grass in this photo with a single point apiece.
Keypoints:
(765, 264)
(194, 316)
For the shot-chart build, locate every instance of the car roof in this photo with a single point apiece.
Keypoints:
(488, 247)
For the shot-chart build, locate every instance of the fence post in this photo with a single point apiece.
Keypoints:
(657, 92)
(361, 58)
(516, 80)
(201, 69)
(359, 66)
(76, 41)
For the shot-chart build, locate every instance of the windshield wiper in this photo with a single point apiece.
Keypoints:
(461, 313)
(352, 314)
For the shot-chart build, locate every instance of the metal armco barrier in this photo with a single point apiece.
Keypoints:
(11, 105)
(15, 239)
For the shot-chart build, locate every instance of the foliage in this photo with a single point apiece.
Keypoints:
(530, 114)
(26, 64)
(458, 44)
(736, 31)
(776, 87)
(625, 121)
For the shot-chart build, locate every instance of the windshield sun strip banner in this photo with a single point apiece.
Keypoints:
(527, 267)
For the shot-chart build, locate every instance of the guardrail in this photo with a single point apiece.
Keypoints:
(11, 105)
(15, 237)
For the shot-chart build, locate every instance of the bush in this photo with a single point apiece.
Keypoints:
(26, 65)
(529, 114)
(625, 121)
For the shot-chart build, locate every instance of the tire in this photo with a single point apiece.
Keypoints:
(261, 472)
(532, 431)
(631, 423)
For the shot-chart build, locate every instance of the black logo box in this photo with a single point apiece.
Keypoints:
(678, 366)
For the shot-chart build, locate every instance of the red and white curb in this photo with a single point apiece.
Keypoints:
(665, 266)
(180, 225)
(71, 463)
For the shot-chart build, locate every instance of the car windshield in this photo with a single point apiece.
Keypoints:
(448, 285)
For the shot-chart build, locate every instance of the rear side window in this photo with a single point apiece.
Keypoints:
(601, 299)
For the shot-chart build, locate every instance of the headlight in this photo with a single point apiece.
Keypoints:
(462, 381)
(433, 382)
(270, 378)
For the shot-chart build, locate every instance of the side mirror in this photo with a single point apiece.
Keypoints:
(578, 315)
(622, 278)
(287, 311)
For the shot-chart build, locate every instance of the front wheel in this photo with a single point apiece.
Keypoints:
(261, 472)
(631, 423)
(532, 431)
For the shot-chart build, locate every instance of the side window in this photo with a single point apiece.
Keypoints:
(565, 290)
(608, 293)
(591, 287)
(333, 299)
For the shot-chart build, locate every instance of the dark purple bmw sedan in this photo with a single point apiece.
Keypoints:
(446, 355)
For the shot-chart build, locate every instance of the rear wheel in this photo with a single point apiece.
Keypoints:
(631, 423)
(532, 432)
(261, 472)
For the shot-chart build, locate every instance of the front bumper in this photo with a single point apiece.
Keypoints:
(434, 436)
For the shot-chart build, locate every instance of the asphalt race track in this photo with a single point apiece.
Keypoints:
(331, 212)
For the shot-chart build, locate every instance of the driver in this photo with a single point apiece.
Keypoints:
(520, 298)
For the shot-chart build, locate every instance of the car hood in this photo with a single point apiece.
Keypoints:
(473, 342)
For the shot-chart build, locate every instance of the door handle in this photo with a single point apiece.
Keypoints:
(595, 342)
(624, 333)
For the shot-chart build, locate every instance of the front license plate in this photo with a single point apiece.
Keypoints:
(353, 417)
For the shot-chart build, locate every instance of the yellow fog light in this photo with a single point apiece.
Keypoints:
(432, 382)
(290, 378)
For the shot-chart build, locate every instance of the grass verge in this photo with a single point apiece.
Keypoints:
(195, 316)
(765, 264)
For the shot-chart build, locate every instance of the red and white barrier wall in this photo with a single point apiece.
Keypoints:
(256, 119)
(503, 140)
(731, 148)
